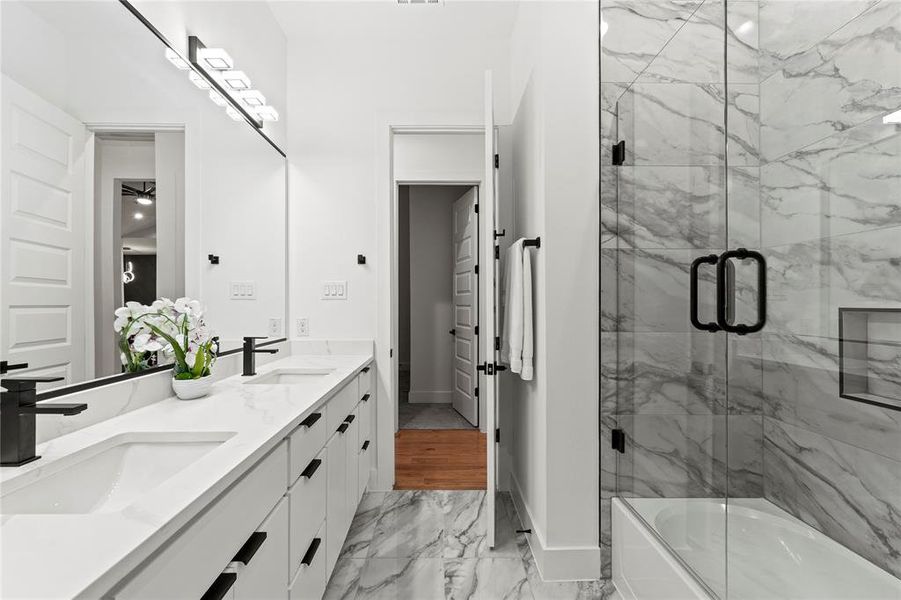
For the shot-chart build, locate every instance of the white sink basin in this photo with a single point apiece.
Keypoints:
(109, 476)
(289, 376)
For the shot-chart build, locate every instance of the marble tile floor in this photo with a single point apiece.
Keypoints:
(430, 416)
(420, 545)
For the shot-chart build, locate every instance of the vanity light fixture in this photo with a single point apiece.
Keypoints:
(230, 87)
(173, 57)
(266, 113)
(215, 58)
(199, 81)
(253, 98)
(236, 80)
(892, 119)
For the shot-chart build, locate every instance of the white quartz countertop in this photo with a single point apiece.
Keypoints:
(84, 555)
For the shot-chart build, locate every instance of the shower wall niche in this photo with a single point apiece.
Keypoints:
(870, 355)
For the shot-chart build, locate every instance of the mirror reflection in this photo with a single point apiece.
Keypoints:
(122, 182)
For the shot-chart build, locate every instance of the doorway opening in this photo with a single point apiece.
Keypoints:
(438, 402)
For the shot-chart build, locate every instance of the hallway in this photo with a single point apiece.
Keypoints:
(424, 545)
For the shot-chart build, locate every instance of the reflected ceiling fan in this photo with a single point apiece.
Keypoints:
(145, 196)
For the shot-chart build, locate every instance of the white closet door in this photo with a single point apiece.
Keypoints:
(488, 288)
(466, 252)
(43, 231)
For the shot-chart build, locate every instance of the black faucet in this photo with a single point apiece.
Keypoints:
(250, 352)
(18, 406)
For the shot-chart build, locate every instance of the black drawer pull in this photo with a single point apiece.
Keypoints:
(311, 552)
(311, 420)
(311, 468)
(366, 445)
(365, 398)
(365, 369)
(343, 427)
(250, 547)
(220, 587)
(350, 418)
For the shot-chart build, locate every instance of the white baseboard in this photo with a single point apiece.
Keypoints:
(431, 397)
(557, 563)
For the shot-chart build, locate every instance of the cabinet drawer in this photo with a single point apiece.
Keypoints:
(340, 405)
(367, 451)
(336, 498)
(311, 578)
(265, 575)
(364, 380)
(189, 564)
(306, 441)
(353, 459)
(308, 499)
(366, 409)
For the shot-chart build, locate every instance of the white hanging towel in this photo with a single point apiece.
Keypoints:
(517, 340)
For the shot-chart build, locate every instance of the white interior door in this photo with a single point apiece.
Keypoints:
(466, 306)
(488, 286)
(43, 231)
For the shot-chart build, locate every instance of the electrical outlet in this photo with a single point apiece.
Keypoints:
(275, 328)
(303, 327)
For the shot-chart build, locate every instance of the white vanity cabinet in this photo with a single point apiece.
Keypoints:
(278, 531)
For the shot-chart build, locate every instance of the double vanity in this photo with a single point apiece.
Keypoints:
(247, 493)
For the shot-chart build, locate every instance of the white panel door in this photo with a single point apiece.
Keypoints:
(465, 286)
(488, 285)
(43, 231)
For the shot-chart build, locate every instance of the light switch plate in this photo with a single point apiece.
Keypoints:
(242, 290)
(334, 290)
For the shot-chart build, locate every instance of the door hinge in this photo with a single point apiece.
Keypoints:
(497, 436)
(477, 209)
(497, 161)
(477, 330)
(477, 269)
(619, 152)
(497, 252)
(476, 392)
(618, 442)
(497, 342)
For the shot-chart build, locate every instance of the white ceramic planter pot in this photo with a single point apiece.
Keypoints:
(190, 389)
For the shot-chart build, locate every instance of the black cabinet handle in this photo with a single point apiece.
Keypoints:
(710, 259)
(365, 369)
(350, 418)
(250, 547)
(220, 587)
(311, 552)
(311, 468)
(311, 420)
(365, 445)
(343, 427)
(365, 398)
(722, 299)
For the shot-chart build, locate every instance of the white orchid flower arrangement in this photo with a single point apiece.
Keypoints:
(175, 328)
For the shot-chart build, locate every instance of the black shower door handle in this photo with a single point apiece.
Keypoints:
(710, 259)
(722, 298)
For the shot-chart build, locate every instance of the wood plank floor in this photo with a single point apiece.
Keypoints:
(440, 459)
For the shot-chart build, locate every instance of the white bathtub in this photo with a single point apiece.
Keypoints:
(675, 549)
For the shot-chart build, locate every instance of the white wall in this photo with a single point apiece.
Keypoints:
(170, 213)
(431, 292)
(555, 416)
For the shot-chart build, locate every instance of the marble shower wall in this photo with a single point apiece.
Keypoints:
(830, 198)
